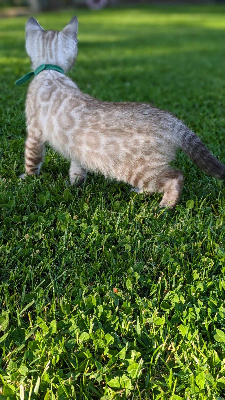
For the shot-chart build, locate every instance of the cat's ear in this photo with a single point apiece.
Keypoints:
(72, 27)
(33, 25)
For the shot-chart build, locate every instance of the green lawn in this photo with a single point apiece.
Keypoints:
(103, 295)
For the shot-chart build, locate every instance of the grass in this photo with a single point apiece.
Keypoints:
(104, 295)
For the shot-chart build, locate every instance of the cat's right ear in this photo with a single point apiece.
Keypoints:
(72, 27)
(33, 25)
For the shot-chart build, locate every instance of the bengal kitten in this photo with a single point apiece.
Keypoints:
(128, 141)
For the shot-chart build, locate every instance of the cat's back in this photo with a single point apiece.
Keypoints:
(50, 86)
(55, 96)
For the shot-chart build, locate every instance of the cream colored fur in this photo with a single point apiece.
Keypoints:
(130, 142)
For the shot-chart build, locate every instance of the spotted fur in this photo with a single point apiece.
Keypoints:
(130, 142)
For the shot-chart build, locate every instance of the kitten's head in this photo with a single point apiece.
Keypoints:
(52, 47)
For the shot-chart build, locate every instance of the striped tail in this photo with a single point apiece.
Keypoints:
(193, 147)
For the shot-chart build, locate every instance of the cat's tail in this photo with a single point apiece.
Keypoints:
(200, 155)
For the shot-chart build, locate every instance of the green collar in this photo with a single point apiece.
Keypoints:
(42, 67)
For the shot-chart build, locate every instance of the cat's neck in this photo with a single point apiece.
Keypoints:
(42, 67)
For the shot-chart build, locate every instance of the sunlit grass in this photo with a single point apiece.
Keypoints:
(104, 295)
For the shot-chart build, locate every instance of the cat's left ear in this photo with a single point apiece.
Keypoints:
(72, 27)
(33, 25)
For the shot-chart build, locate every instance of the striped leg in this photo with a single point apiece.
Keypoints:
(164, 180)
(171, 185)
(34, 153)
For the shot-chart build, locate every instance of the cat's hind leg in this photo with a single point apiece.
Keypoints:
(170, 183)
(77, 174)
(161, 179)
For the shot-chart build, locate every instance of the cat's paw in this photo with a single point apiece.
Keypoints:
(77, 179)
(23, 176)
(167, 204)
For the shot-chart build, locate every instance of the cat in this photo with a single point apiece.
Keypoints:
(128, 141)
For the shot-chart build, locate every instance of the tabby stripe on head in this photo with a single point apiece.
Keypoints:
(55, 43)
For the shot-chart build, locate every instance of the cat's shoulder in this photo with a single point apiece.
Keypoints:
(51, 81)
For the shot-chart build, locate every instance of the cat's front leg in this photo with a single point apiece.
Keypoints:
(136, 190)
(76, 173)
(34, 153)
